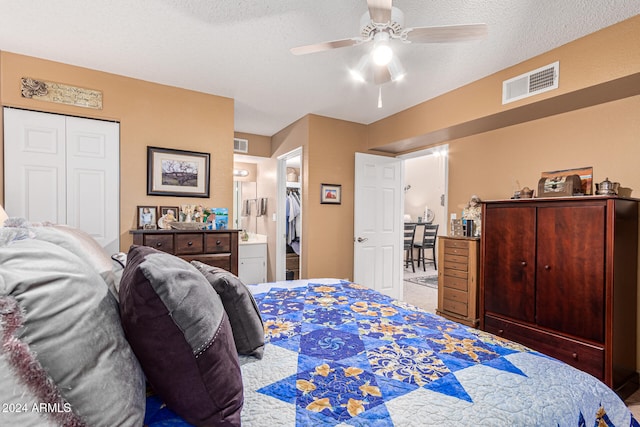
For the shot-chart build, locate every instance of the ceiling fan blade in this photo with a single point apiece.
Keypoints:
(380, 10)
(319, 47)
(446, 33)
(381, 75)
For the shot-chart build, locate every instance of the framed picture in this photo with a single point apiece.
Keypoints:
(177, 173)
(331, 194)
(147, 217)
(171, 212)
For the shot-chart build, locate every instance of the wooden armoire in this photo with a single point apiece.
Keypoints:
(559, 275)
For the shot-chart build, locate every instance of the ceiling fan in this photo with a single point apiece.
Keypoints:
(382, 24)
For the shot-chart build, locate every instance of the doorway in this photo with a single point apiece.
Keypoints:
(289, 221)
(425, 201)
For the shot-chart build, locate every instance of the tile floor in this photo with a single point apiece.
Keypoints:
(427, 299)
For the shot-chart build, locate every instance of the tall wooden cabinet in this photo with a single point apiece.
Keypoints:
(559, 275)
(458, 279)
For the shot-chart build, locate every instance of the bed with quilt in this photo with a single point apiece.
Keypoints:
(340, 354)
(160, 342)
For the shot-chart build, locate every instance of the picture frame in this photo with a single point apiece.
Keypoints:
(175, 210)
(147, 217)
(177, 173)
(331, 194)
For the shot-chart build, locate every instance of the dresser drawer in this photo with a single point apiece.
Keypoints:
(188, 243)
(456, 307)
(460, 259)
(586, 357)
(456, 251)
(218, 260)
(162, 242)
(216, 243)
(452, 243)
(460, 283)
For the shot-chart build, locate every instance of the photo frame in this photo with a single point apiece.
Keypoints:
(331, 194)
(147, 217)
(175, 211)
(178, 173)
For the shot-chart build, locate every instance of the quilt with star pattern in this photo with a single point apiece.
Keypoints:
(340, 354)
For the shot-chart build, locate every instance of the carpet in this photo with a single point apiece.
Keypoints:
(428, 281)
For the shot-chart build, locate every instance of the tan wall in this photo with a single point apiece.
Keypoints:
(259, 145)
(329, 228)
(149, 114)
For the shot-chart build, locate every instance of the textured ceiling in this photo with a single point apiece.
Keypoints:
(240, 48)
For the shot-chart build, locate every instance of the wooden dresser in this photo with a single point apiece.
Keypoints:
(458, 279)
(214, 247)
(559, 275)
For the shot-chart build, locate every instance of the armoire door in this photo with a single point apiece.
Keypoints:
(509, 261)
(64, 170)
(571, 269)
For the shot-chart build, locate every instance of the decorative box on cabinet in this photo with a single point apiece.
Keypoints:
(458, 279)
(218, 248)
(560, 276)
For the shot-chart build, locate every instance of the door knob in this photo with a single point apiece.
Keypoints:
(360, 239)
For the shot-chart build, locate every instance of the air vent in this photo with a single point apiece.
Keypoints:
(240, 145)
(531, 83)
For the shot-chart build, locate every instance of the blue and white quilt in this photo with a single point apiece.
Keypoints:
(339, 354)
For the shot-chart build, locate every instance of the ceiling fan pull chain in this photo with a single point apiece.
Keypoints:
(379, 96)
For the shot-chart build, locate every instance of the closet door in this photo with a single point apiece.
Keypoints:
(64, 170)
(35, 165)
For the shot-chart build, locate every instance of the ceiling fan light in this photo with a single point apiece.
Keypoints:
(396, 70)
(359, 73)
(382, 52)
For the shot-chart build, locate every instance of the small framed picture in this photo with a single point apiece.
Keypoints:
(331, 194)
(169, 213)
(147, 217)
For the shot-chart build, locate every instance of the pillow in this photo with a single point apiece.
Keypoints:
(178, 328)
(65, 345)
(241, 307)
(85, 247)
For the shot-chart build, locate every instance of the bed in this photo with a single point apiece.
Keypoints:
(339, 354)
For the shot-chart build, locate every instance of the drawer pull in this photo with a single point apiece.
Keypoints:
(218, 242)
(500, 331)
(524, 263)
(159, 244)
(189, 243)
(575, 356)
(547, 267)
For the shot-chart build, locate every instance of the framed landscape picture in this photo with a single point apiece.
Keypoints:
(177, 173)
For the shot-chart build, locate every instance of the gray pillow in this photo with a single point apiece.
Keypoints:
(85, 247)
(241, 307)
(71, 328)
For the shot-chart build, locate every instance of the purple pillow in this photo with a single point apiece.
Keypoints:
(178, 329)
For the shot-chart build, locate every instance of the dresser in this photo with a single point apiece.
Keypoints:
(458, 279)
(218, 248)
(559, 275)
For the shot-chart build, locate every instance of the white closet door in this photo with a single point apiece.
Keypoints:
(35, 165)
(64, 170)
(92, 180)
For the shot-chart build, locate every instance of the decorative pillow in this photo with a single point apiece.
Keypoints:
(178, 328)
(241, 307)
(85, 247)
(62, 339)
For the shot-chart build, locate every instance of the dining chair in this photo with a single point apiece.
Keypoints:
(409, 236)
(428, 242)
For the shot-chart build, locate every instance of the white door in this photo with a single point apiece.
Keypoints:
(378, 201)
(64, 170)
